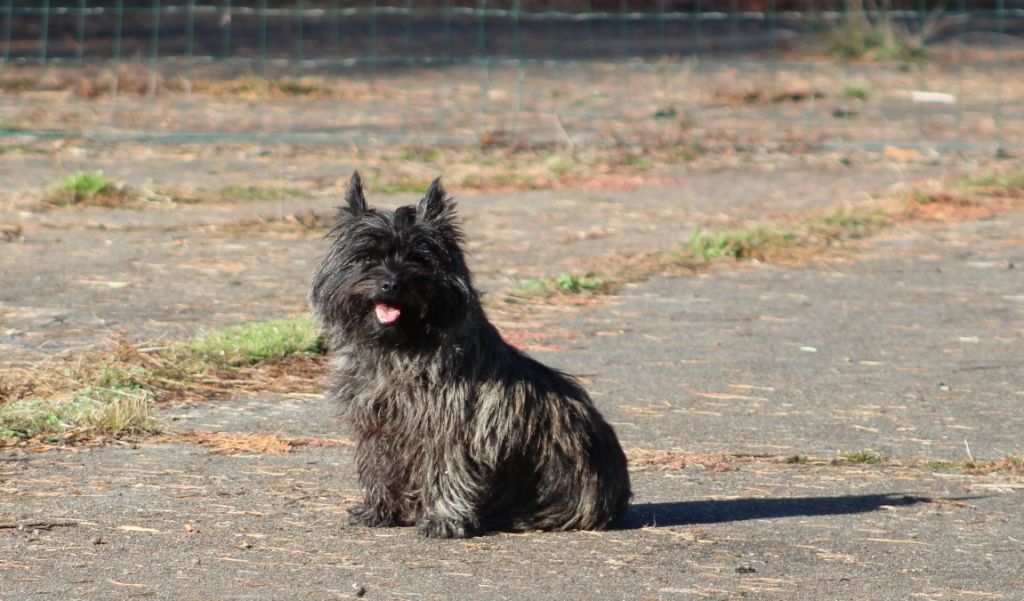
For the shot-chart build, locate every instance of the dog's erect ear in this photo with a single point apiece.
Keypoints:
(434, 205)
(354, 195)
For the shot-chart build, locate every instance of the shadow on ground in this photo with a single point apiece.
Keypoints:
(687, 513)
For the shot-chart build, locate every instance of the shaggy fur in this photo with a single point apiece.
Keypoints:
(458, 432)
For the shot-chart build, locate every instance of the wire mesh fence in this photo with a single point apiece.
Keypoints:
(737, 72)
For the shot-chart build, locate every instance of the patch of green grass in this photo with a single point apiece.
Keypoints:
(88, 188)
(858, 458)
(986, 184)
(636, 160)
(423, 154)
(855, 93)
(257, 192)
(86, 184)
(259, 342)
(400, 184)
(738, 243)
(851, 223)
(872, 33)
(1010, 463)
(579, 283)
(565, 284)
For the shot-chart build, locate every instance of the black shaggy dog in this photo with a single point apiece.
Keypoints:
(458, 432)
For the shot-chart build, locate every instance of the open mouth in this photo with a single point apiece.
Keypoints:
(386, 314)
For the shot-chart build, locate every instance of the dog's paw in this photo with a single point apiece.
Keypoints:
(364, 515)
(445, 528)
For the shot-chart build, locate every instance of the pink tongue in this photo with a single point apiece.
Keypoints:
(386, 313)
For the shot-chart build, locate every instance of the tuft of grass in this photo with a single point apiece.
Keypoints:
(1004, 183)
(872, 33)
(396, 184)
(858, 458)
(254, 86)
(578, 283)
(849, 223)
(423, 154)
(88, 188)
(256, 192)
(855, 93)
(746, 243)
(564, 284)
(260, 342)
(109, 412)
(1013, 464)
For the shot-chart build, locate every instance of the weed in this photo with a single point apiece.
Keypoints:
(88, 188)
(577, 284)
(395, 184)
(117, 413)
(1011, 463)
(256, 192)
(858, 458)
(855, 93)
(423, 154)
(97, 412)
(869, 30)
(990, 184)
(253, 343)
(850, 223)
(564, 284)
(752, 242)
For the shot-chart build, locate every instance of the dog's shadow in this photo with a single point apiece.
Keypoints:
(689, 513)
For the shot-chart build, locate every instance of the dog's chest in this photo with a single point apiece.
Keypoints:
(387, 394)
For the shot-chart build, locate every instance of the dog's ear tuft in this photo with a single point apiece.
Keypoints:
(435, 205)
(354, 195)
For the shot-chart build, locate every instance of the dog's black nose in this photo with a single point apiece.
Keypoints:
(389, 286)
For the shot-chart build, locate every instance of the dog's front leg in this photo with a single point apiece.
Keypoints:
(451, 499)
(383, 476)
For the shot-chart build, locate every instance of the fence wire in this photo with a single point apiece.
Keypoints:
(684, 74)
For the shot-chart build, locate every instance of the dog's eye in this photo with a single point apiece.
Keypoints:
(364, 260)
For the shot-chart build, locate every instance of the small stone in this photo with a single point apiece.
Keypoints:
(97, 540)
(358, 591)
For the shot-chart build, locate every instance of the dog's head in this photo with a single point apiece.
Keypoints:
(396, 279)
